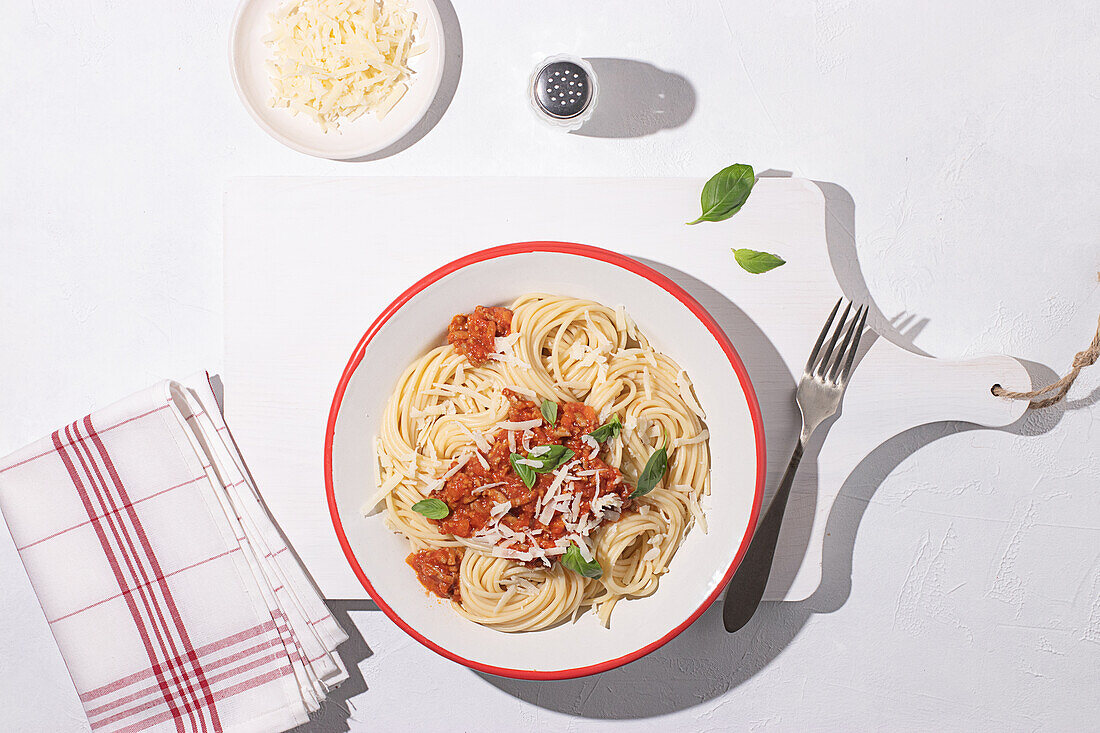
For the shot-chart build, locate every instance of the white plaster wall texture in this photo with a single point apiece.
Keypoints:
(965, 133)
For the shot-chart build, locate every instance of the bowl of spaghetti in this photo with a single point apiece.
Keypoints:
(544, 460)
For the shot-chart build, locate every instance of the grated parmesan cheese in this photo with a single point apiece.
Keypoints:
(462, 461)
(336, 60)
(509, 359)
(582, 545)
(701, 437)
(521, 390)
(503, 344)
(384, 490)
(592, 443)
(697, 513)
(521, 425)
(683, 384)
(548, 506)
(504, 598)
(479, 440)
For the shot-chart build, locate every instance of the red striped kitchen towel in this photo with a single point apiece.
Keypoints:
(172, 595)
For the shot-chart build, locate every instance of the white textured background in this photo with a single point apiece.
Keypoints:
(965, 133)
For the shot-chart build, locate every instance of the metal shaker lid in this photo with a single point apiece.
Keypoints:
(562, 89)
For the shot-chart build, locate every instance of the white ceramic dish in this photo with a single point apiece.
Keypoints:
(675, 324)
(365, 135)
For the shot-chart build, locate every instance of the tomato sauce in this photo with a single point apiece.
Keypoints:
(473, 334)
(437, 570)
(470, 507)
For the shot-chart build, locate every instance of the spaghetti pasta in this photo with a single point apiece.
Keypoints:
(449, 416)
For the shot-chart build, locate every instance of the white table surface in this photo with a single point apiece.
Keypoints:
(966, 136)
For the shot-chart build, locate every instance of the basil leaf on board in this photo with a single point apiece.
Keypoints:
(725, 193)
(608, 430)
(432, 508)
(549, 411)
(574, 560)
(653, 472)
(525, 473)
(757, 262)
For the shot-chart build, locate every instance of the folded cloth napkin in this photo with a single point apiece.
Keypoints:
(172, 595)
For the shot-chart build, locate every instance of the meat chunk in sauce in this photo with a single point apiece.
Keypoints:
(473, 334)
(438, 570)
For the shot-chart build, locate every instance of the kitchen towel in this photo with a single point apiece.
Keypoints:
(173, 597)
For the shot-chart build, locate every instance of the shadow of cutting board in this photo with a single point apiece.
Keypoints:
(310, 262)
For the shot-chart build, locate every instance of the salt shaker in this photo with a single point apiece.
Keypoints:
(563, 91)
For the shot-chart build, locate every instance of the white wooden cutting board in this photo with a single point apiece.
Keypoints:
(310, 262)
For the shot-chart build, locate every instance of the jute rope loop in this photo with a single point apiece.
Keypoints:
(1057, 390)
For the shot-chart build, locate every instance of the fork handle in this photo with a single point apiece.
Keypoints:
(746, 588)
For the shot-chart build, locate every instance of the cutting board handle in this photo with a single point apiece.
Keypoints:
(923, 390)
(931, 390)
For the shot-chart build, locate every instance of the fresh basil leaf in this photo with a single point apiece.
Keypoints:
(608, 430)
(574, 560)
(554, 456)
(725, 193)
(756, 262)
(566, 456)
(525, 473)
(432, 508)
(549, 411)
(551, 459)
(653, 472)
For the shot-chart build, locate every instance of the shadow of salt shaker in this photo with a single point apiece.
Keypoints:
(563, 91)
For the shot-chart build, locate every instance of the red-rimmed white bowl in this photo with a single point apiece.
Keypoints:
(677, 325)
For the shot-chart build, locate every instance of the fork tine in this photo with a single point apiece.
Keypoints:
(842, 352)
(821, 338)
(855, 347)
(823, 365)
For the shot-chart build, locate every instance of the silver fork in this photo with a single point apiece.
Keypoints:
(818, 396)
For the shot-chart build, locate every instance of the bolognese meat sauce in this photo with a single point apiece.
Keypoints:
(473, 334)
(438, 570)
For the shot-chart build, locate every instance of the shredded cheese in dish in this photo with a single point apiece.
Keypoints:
(335, 60)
